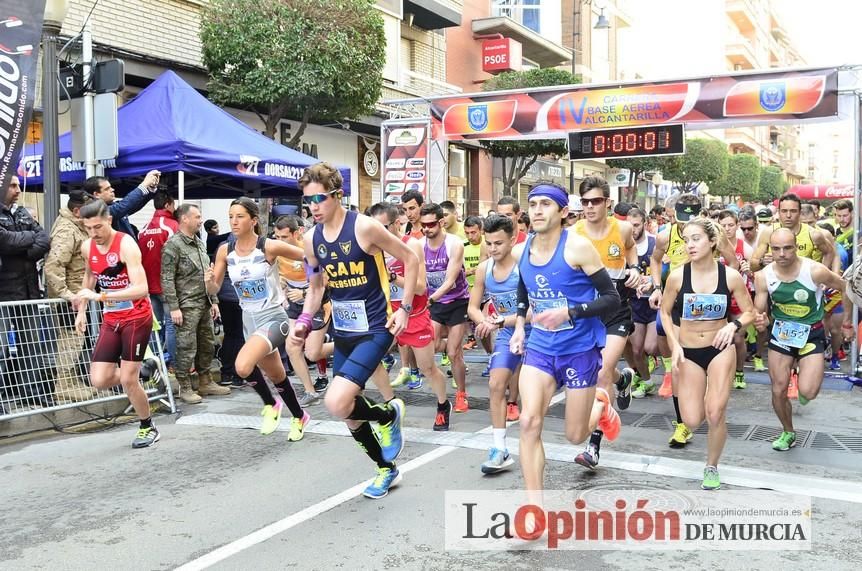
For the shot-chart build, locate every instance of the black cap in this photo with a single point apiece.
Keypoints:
(764, 213)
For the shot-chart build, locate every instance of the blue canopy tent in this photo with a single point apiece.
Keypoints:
(172, 128)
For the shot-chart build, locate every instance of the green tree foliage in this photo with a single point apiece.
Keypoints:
(743, 178)
(636, 167)
(704, 161)
(308, 60)
(518, 156)
(772, 184)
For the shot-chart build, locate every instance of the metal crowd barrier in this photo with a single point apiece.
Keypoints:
(45, 363)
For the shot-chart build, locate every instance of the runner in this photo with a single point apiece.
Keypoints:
(450, 220)
(497, 280)
(791, 289)
(350, 248)
(613, 240)
(643, 342)
(748, 230)
(475, 251)
(679, 209)
(249, 260)
(447, 294)
(730, 224)
(411, 201)
(289, 229)
(508, 206)
(568, 290)
(696, 303)
(113, 262)
(419, 335)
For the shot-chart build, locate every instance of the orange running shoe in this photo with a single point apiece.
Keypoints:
(666, 390)
(793, 385)
(470, 344)
(461, 404)
(610, 422)
(512, 412)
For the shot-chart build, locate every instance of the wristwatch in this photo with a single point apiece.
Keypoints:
(737, 323)
(407, 307)
(500, 321)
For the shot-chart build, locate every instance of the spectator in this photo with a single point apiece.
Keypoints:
(214, 239)
(450, 219)
(120, 211)
(307, 219)
(524, 223)
(508, 206)
(151, 241)
(64, 273)
(23, 242)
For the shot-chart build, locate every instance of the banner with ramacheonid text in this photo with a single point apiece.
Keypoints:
(406, 154)
(700, 103)
(20, 32)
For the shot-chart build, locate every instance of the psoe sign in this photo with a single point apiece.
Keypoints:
(499, 55)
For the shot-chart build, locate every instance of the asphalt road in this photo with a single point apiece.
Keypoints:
(212, 494)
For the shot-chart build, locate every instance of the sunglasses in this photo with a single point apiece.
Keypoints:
(593, 201)
(430, 224)
(714, 216)
(747, 228)
(318, 198)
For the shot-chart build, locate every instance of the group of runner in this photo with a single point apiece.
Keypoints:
(557, 308)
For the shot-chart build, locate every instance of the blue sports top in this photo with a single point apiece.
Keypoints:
(358, 282)
(504, 296)
(557, 284)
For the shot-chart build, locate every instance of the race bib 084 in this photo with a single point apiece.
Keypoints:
(349, 316)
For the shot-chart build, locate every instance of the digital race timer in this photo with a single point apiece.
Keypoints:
(627, 142)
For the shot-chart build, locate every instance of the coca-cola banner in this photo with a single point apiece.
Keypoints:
(700, 103)
(822, 191)
(20, 31)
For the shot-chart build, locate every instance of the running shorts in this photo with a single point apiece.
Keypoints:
(356, 358)
(419, 332)
(126, 340)
(450, 314)
(320, 319)
(271, 324)
(642, 312)
(620, 323)
(574, 371)
(816, 345)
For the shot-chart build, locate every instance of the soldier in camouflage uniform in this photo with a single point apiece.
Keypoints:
(184, 263)
(64, 274)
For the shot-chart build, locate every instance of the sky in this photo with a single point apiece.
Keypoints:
(825, 32)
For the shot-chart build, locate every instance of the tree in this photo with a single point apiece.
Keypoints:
(636, 167)
(518, 156)
(743, 178)
(307, 60)
(772, 184)
(704, 161)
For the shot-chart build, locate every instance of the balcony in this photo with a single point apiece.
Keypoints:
(742, 140)
(433, 14)
(742, 13)
(740, 53)
(534, 47)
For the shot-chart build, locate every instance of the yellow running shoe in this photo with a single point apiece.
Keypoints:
(297, 427)
(681, 435)
(271, 418)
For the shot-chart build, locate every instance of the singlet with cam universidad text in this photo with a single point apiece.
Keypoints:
(358, 281)
(554, 285)
(254, 279)
(112, 275)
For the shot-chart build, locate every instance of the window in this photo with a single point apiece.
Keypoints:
(525, 12)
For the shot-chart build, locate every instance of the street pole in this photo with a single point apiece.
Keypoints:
(89, 101)
(576, 32)
(50, 129)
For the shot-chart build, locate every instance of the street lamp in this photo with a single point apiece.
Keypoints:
(55, 13)
(601, 24)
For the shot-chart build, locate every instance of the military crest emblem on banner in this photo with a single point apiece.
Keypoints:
(477, 116)
(773, 96)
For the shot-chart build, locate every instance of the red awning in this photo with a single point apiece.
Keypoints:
(822, 191)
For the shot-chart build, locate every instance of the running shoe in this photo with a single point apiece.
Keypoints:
(297, 427)
(321, 383)
(146, 437)
(643, 389)
(793, 385)
(512, 412)
(834, 364)
(610, 422)
(589, 458)
(271, 418)
(415, 382)
(785, 442)
(445, 361)
(802, 400)
(681, 435)
(758, 364)
(842, 354)
(666, 389)
(461, 404)
(498, 460)
(388, 361)
(238, 383)
(710, 479)
(391, 439)
(739, 380)
(449, 374)
(624, 388)
(486, 372)
(441, 421)
(403, 377)
(308, 399)
(386, 478)
(470, 344)
(652, 363)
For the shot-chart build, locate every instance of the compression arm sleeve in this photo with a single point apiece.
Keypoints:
(523, 299)
(605, 304)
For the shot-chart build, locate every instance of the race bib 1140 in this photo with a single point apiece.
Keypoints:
(703, 306)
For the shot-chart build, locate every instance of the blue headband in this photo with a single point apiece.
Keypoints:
(555, 193)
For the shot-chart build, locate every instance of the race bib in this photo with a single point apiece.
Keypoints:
(108, 306)
(790, 333)
(703, 306)
(505, 302)
(541, 305)
(396, 293)
(251, 290)
(349, 316)
(435, 279)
